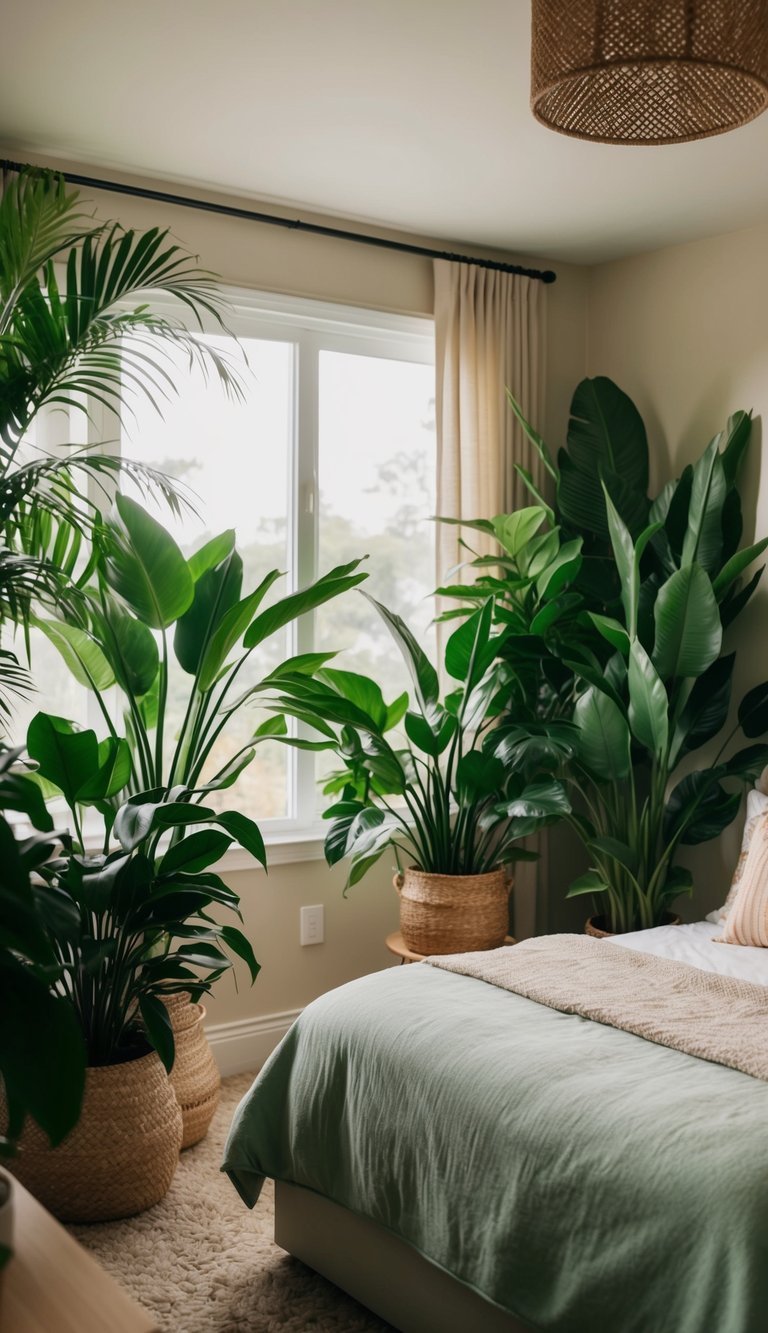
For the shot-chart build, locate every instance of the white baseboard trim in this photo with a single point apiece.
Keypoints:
(246, 1043)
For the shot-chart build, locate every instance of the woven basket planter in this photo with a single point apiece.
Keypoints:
(453, 913)
(120, 1157)
(195, 1078)
(596, 926)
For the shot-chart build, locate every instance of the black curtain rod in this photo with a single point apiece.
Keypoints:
(293, 224)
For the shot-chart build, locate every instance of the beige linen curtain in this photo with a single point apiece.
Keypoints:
(490, 335)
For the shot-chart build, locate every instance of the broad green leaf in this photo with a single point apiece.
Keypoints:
(211, 553)
(422, 671)
(563, 570)
(422, 735)
(196, 852)
(132, 650)
(648, 703)
(240, 945)
(50, 1086)
(540, 800)
(479, 775)
(245, 832)
(158, 1027)
(297, 604)
(612, 631)
(83, 656)
(736, 566)
(145, 567)
(113, 773)
(470, 650)
(514, 531)
(604, 738)
(606, 433)
(66, 757)
(748, 764)
(703, 537)
(688, 631)
(753, 711)
(360, 690)
(592, 882)
(699, 808)
(216, 591)
(736, 440)
(230, 630)
(706, 709)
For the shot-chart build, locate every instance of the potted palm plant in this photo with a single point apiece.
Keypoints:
(630, 634)
(443, 798)
(76, 321)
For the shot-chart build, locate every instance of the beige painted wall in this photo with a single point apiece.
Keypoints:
(684, 331)
(271, 259)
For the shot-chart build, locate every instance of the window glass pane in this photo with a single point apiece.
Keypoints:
(377, 493)
(235, 459)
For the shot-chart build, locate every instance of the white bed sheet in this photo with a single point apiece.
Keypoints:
(697, 944)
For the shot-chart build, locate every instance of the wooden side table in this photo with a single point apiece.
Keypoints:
(52, 1285)
(396, 945)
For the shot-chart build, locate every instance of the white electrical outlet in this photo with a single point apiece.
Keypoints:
(312, 928)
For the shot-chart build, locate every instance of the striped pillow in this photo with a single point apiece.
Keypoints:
(757, 805)
(747, 921)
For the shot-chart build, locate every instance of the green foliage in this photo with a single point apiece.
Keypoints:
(633, 653)
(86, 330)
(48, 1087)
(124, 928)
(446, 800)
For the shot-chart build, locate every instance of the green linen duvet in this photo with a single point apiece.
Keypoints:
(582, 1178)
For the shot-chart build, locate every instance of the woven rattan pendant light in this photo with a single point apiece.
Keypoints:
(648, 71)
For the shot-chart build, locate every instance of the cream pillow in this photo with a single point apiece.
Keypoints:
(747, 921)
(757, 806)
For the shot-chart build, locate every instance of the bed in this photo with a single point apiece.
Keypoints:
(459, 1156)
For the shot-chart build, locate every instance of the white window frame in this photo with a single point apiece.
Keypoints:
(313, 327)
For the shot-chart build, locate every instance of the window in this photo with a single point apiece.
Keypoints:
(330, 456)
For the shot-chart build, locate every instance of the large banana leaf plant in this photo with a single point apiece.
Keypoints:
(458, 796)
(76, 328)
(148, 611)
(658, 582)
(131, 924)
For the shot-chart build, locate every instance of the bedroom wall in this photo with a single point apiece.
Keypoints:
(684, 331)
(247, 1022)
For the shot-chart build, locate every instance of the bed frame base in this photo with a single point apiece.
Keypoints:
(379, 1269)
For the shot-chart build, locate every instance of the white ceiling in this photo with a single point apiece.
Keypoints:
(412, 113)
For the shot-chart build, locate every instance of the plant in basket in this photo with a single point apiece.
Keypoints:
(127, 928)
(453, 799)
(627, 621)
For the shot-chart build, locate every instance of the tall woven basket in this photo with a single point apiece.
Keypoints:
(453, 913)
(120, 1157)
(194, 1077)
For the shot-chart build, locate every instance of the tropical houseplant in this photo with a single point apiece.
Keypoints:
(635, 632)
(170, 637)
(126, 928)
(452, 799)
(76, 328)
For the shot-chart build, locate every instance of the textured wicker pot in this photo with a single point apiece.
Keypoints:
(595, 926)
(195, 1078)
(453, 913)
(120, 1157)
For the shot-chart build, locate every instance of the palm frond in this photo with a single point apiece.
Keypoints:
(39, 219)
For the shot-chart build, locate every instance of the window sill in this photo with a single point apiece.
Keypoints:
(283, 849)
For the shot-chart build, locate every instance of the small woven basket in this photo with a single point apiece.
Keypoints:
(195, 1078)
(120, 1157)
(453, 913)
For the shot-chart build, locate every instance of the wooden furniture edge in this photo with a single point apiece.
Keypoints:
(53, 1285)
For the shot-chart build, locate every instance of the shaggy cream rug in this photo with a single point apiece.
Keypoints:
(201, 1262)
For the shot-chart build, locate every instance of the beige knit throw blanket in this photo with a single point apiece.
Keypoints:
(713, 1017)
